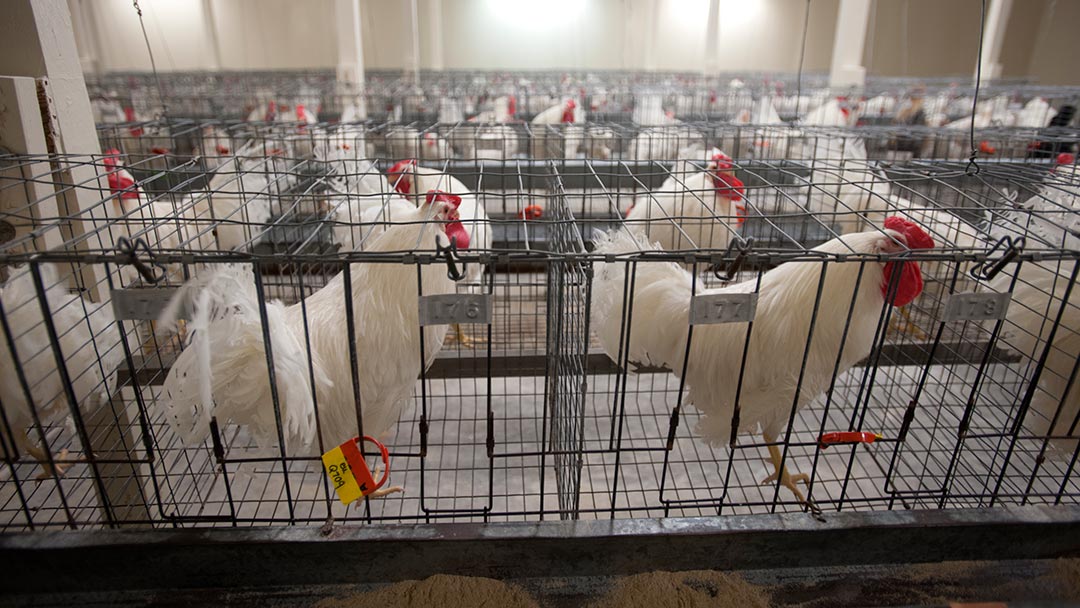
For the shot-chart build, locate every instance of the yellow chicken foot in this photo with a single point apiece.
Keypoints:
(786, 480)
(907, 326)
(48, 471)
(383, 491)
(465, 340)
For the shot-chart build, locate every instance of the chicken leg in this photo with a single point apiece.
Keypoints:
(383, 491)
(786, 480)
(464, 339)
(907, 326)
(47, 470)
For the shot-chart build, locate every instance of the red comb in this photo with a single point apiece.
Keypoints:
(1065, 158)
(443, 197)
(986, 148)
(917, 238)
(222, 149)
(159, 150)
(401, 166)
(511, 106)
(722, 161)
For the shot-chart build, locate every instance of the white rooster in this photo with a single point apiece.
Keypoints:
(786, 303)
(224, 371)
(699, 210)
(545, 142)
(89, 346)
(1050, 220)
(409, 179)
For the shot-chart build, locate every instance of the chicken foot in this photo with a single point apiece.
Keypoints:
(47, 470)
(464, 339)
(787, 480)
(907, 326)
(383, 491)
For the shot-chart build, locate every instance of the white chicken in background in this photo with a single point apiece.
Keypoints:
(785, 308)
(769, 138)
(546, 143)
(407, 142)
(89, 345)
(832, 113)
(692, 210)
(1050, 219)
(359, 195)
(880, 106)
(223, 372)
(991, 113)
(410, 180)
(664, 143)
(1035, 114)
(599, 142)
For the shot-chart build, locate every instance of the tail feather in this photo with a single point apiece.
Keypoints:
(661, 292)
(224, 371)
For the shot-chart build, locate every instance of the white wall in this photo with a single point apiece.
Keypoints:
(907, 37)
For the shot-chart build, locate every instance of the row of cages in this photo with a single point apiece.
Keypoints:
(175, 144)
(532, 340)
(621, 98)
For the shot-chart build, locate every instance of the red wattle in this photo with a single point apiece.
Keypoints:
(457, 233)
(568, 111)
(397, 174)
(911, 283)
(729, 187)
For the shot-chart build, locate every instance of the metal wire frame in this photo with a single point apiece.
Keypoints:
(457, 95)
(542, 423)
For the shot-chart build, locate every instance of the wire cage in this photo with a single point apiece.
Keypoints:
(549, 409)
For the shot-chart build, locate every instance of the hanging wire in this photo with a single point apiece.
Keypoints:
(973, 166)
(153, 65)
(802, 58)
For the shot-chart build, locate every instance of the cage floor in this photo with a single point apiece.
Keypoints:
(625, 470)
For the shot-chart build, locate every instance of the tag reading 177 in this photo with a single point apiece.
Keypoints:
(348, 472)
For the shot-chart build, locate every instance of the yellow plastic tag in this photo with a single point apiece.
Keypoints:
(341, 475)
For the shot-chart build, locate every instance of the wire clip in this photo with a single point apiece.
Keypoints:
(131, 249)
(847, 437)
(452, 260)
(989, 269)
(348, 472)
(743, 247)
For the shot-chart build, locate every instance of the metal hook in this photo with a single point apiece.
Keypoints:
(989, 269)
(732, 269)
(131, 249)
(451, 264)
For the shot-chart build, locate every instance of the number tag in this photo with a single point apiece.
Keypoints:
(449, 308)
(977, 306)
(713, 308)
(144, 303)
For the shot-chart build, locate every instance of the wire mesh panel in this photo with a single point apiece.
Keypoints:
(608, 368)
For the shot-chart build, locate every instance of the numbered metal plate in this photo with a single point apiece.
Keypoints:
(144, 303)
(455, 308)
(710, 309)
(977, 306)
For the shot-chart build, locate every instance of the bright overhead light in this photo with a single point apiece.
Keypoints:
(532, 14)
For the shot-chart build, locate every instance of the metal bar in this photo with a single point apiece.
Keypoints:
(92, 560)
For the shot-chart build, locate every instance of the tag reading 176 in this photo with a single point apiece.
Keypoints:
(348, 472)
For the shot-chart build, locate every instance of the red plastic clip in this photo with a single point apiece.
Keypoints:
(847, 437)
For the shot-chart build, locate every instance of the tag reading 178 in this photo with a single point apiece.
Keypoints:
(348, 472)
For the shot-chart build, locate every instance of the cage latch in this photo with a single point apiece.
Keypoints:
(490, 434)
(672, 425)
(739, 248)
(131, 249)
(423, 435)
(452, 260)
(1010, 247)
